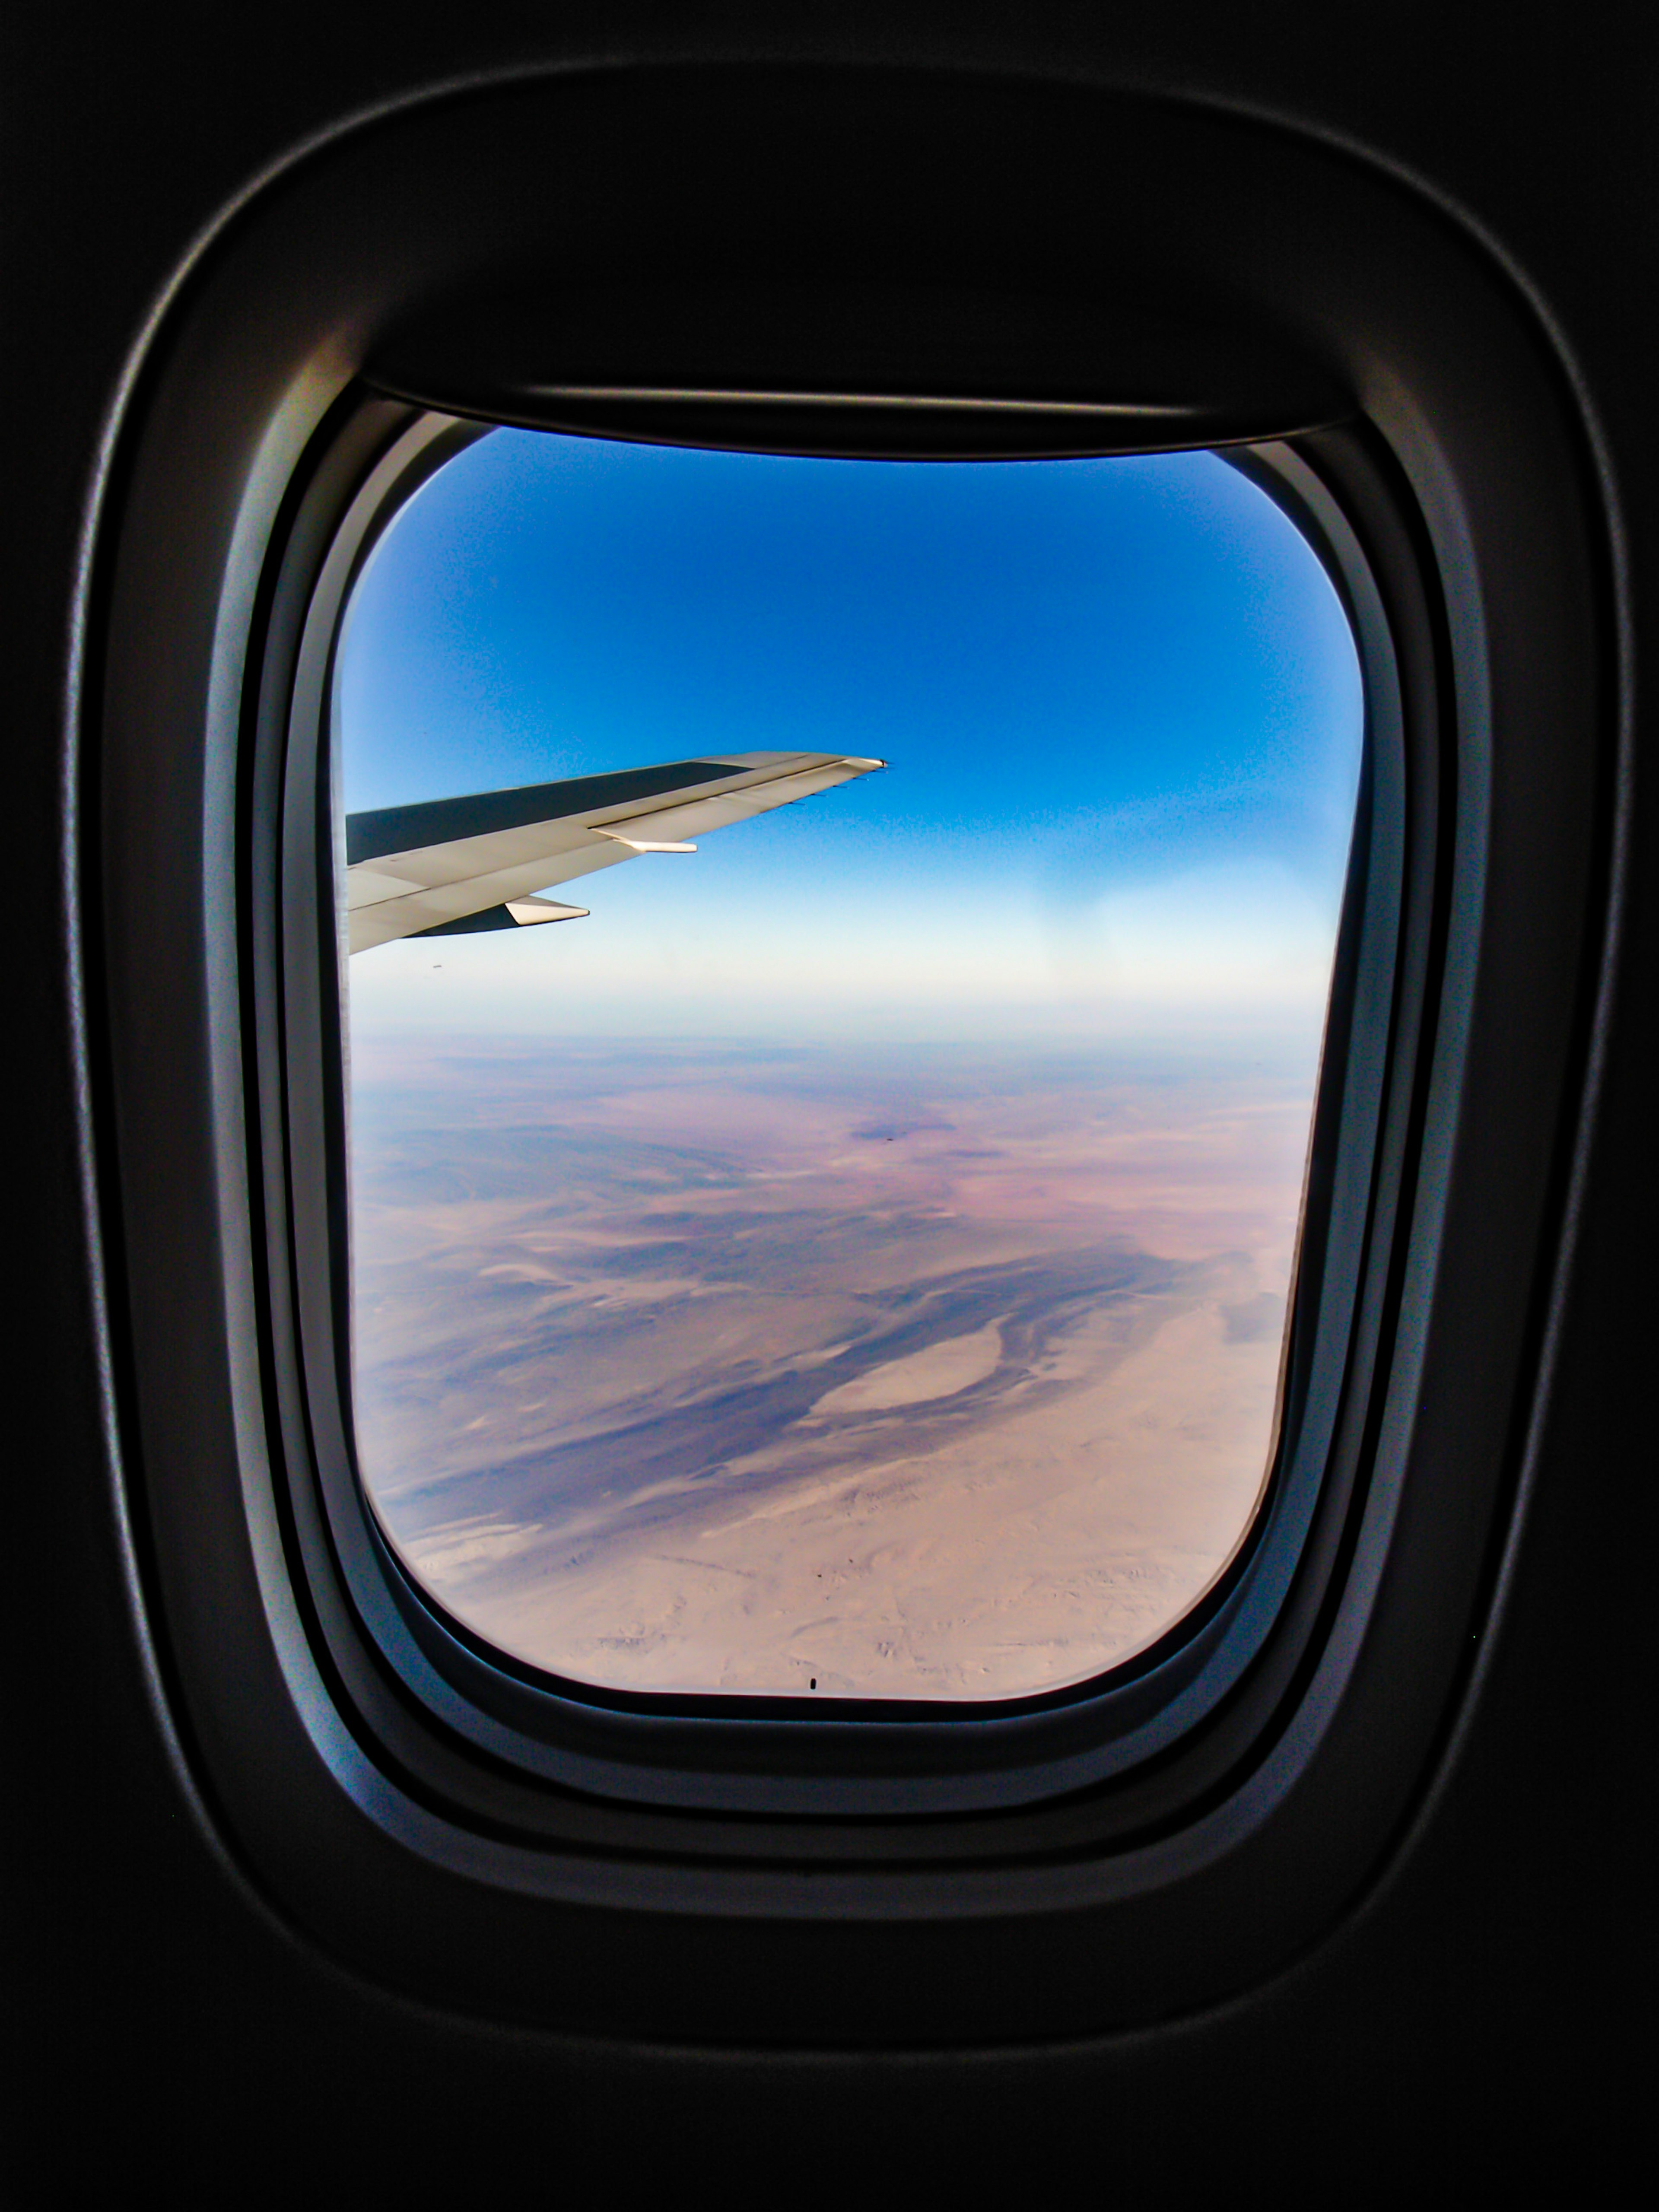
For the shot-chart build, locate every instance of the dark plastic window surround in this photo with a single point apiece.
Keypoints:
(775, 1755)
(1143, 1844)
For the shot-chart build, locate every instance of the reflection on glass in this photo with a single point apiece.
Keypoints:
(852, 1258)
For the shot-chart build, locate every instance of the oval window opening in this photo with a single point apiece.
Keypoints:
(840, 954)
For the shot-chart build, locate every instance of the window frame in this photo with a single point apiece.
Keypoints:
(1466, 475)
(778, 1755)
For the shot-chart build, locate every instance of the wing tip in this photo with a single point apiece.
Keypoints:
(797, 764)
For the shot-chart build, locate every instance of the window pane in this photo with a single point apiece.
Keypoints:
(851, 1259)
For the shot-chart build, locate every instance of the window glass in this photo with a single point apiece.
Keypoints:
(851, 1258)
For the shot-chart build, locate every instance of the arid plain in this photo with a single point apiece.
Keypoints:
(925, 1373)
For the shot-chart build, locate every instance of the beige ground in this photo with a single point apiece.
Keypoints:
(1057, 1550)
(600, 1403)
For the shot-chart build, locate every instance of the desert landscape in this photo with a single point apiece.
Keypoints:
(927, 1372)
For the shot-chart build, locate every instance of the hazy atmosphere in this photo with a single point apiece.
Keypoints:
(853, 1259)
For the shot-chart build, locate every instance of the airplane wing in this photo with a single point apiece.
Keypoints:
(456, 865)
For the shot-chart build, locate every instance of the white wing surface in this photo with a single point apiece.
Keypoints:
(456, 865)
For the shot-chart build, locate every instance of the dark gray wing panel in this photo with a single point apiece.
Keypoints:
(483, 813)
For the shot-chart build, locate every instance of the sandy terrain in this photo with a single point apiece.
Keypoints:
(916, 1377)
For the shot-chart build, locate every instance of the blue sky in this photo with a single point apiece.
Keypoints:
(1120, 701)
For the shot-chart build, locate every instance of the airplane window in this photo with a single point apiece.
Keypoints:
(839, 958)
